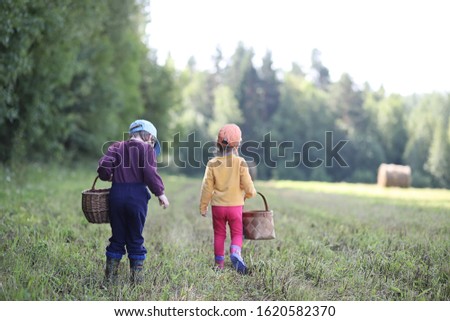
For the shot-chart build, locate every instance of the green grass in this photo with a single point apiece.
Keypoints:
(334, 242)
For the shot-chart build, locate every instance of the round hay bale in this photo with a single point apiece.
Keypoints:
(394, 175)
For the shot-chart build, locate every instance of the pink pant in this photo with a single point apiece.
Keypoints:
(221, 215)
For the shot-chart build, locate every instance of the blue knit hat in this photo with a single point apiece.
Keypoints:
(147, 126)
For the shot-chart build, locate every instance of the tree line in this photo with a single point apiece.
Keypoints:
(74, 74)
(302, 106)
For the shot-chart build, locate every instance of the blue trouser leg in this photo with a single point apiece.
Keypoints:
(116, 247)
(134, 239)
(128, 204)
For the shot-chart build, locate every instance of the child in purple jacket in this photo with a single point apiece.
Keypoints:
(131, 166)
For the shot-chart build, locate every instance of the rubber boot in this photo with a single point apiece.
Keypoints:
(219, 262)
(237, 260)
(136, 271)
(111, 270)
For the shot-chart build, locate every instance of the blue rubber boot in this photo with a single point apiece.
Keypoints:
(219, 260)
(237, 260)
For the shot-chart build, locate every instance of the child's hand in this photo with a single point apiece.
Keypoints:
(203, 214)
(163, 201)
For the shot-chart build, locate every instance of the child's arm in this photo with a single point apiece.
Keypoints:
(206, 190)
(151, 176)
(246, 181)
(106, 164)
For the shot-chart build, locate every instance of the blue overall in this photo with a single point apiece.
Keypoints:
(128, 203)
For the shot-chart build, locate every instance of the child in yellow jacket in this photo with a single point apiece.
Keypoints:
(226, 184)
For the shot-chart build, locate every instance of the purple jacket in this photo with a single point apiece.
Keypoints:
(131, 161)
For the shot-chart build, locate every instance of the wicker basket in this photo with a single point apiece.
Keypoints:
(259, 224)
(95, 204)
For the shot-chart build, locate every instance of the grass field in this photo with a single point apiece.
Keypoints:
(334, 242)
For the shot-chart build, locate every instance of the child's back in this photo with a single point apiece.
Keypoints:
(131, 166)
(226, 184)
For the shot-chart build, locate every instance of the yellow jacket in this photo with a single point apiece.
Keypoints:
(226, 182)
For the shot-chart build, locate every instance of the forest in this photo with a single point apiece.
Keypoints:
(75, 74)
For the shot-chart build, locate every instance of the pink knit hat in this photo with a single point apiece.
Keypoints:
(229, 135)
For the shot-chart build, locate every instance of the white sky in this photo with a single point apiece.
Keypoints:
(402, 45)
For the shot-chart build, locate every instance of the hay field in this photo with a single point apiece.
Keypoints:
(334, 242)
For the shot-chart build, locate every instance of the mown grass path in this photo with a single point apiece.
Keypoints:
(334, 242)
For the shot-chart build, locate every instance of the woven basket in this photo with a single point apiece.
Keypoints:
(95, 204)
(258, 224)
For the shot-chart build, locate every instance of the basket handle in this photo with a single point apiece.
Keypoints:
(265, 201)
(93, 185)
